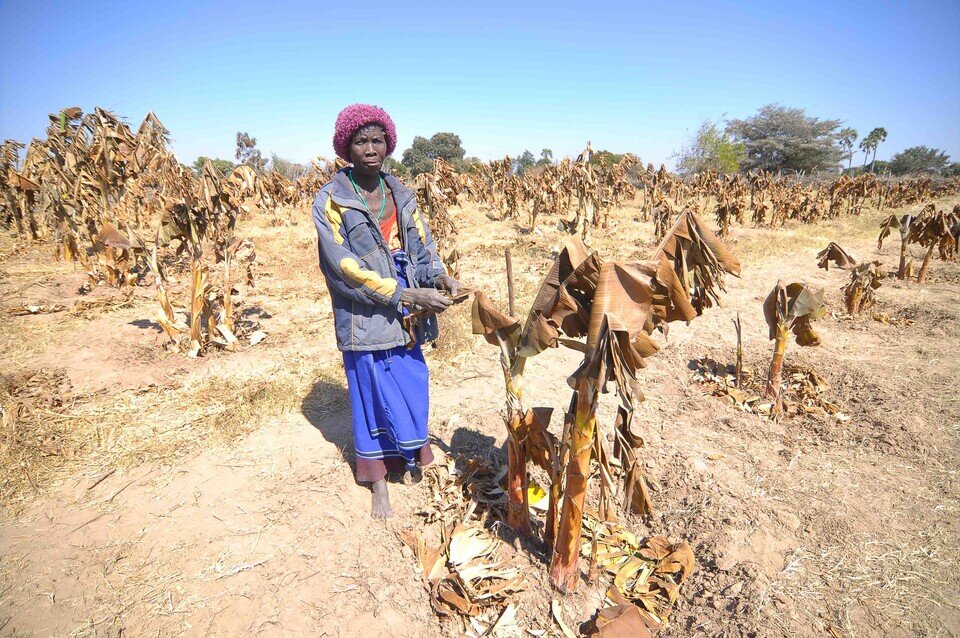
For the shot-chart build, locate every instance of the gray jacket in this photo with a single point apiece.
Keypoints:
(359, 268)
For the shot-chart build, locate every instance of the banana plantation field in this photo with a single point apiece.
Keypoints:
(723, 405)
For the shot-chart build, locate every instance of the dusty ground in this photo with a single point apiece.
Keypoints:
(161, 495)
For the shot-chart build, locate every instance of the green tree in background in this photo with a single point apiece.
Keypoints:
(248, 153)
(780, 138)
(546, 157)
(847, 137)
(524, 161)
(711, 149)
(394, 167)
(222, 165)
(919, 159)
(606, 157)
(875, 138)
(420, 156)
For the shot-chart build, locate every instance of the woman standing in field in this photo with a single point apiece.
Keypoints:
(379, 261)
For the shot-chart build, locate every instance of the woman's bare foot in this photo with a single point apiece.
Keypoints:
(411, 477)
(380, 505)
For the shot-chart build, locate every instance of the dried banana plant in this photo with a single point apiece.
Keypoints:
(117, 255)
(840, 258)
(615, 306)
(436, 192)
(616, 345)
(903, 224)
(930, 230)
(501, 330)
(211, 217)
(789, 307)
(585, 186)
(629, 301)
(699, 260)
(557, 307)
(858, 294)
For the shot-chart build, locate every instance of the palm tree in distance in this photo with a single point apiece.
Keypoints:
(847, 137)
(870, 143)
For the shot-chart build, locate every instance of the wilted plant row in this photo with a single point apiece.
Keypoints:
(583, 192)
(92, 169)
(121, 205)
(792, 308)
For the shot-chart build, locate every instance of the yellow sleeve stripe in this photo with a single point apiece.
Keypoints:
(335, 220)
(416, 220)
(383, 285)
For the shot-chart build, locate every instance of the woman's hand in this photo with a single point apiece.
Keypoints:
(448, 283)
(427, 298)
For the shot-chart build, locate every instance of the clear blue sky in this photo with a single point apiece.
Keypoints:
(635, 77)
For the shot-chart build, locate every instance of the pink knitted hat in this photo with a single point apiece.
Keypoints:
(355, 117)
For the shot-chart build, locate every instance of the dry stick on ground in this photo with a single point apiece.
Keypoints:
(739, 329)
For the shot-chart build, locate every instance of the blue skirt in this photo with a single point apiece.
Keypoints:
(390, 403)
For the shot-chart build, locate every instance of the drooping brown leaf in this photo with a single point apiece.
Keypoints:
(621, 621)
(890, 223)
(624, 296)
(796, 305)
(671, 299)
(833, 252)
(562, 304)
(488, 321)
(698, 258)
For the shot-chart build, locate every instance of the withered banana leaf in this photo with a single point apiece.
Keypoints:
(110, 236)
(488, 321)
(562, 304)
(835, 253)
(796, 305)
(698, 258)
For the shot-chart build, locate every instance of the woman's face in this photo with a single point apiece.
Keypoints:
(368, 148)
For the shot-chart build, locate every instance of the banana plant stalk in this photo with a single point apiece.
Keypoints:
(563, 569)
(789, 307)
(518, 508)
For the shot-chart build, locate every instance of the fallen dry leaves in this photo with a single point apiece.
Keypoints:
(803, 393)
(467, 571)
(647, 576)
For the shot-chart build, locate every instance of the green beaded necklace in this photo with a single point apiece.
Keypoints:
(383, 197)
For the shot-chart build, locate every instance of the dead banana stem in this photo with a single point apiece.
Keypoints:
(904, 236)
(556, 485)
(776, 367)
(563, 569)
(518, 510)
(922, 275)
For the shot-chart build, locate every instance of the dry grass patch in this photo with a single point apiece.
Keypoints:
(50, 438)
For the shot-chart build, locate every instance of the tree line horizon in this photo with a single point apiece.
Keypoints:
(776, 138)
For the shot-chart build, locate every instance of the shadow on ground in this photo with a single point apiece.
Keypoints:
(327, 408)
(468, 445)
